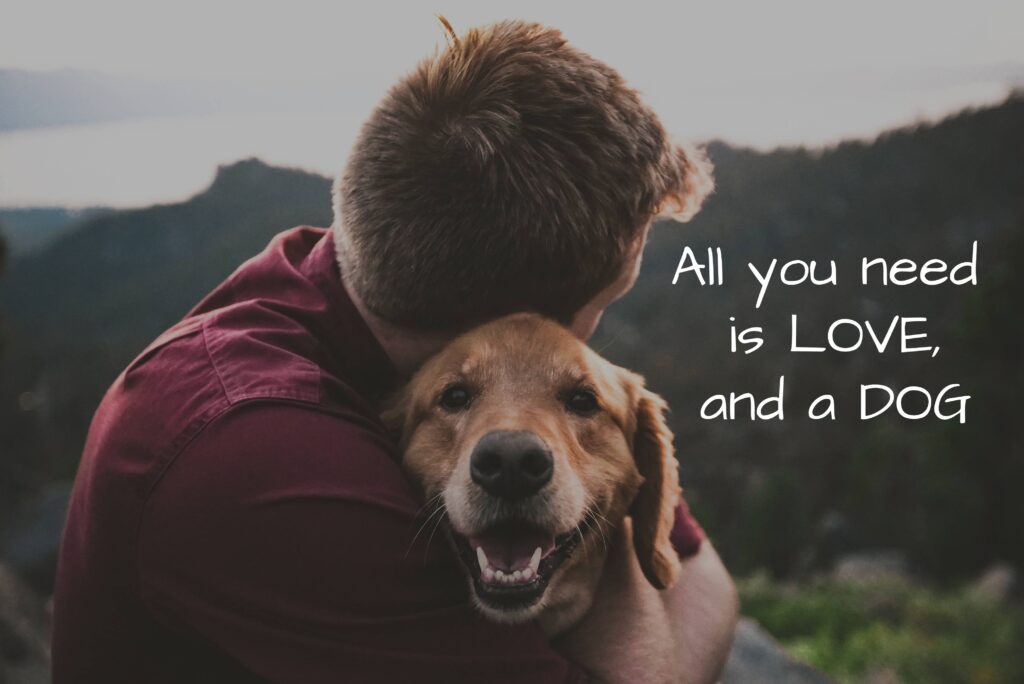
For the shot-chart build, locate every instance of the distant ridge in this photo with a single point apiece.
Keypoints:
(30, 229)
(174, 253)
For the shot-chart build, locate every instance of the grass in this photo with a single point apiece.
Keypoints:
(920, 635)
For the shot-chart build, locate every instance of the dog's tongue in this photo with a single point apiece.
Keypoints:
(512, 548)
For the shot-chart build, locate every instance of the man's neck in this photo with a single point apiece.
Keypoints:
(406, 348)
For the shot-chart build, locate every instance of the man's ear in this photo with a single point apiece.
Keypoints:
(653, 509)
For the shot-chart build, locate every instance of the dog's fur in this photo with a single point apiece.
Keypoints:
(610, 463)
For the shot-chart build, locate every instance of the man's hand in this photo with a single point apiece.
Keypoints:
(634, 633)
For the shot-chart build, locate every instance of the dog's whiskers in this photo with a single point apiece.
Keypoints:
(436, 512)
(437, 523)
(593, 523)
(603, 524)
(601, 538)
(612, 340)
(431, 502)
(579, 532)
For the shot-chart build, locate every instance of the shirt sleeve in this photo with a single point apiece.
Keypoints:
(290, 540)
(687, 534)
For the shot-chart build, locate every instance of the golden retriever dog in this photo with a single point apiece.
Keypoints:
(536, 449)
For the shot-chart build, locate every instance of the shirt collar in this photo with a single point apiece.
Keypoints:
(349, 341)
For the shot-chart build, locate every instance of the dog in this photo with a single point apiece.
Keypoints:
(535, 450)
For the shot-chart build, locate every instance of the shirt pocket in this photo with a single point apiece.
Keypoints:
(183, 329)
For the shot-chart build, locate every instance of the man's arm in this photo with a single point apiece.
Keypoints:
(284, 539)
(634, 633)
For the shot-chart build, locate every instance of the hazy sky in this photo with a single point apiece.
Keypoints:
(651, 42)
(756, 73)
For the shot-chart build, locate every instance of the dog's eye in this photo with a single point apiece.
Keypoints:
(455, 398)
(582, 401)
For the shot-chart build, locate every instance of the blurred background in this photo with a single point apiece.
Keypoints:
(147, 150)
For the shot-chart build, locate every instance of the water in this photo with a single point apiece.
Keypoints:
(137, 163)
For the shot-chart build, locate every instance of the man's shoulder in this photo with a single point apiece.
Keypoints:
(276, 449)
(259, 352)
(213, 360)
(222, 407)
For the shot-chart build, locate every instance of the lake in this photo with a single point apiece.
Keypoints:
(137, 163)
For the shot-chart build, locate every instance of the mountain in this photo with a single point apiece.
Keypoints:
(170, 254)
(77, 310)
(29, 229)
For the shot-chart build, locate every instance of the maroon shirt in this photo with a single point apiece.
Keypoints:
(240, 514)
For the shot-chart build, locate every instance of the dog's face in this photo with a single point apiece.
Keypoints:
(535, 447)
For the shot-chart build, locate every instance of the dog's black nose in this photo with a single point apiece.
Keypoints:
(511, 465)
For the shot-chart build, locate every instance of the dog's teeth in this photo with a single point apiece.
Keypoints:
(517, 575)
(535, 560)
(527, 573)
(499, 575)
(488, 575)
(481, 558)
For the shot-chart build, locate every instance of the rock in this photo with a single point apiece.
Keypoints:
(833, 537)
(32, 539)
(756, 658)
(24, 633)
(883, 676)
(997, 584)
(872, 566)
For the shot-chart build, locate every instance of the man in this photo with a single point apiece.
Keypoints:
(240, 513)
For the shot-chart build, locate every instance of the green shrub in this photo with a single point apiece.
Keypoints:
(921, 635)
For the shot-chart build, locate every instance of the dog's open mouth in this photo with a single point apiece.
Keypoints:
(512, 562)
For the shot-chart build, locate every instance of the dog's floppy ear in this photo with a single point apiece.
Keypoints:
(654, 507)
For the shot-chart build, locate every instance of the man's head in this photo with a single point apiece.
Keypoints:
(508, 172)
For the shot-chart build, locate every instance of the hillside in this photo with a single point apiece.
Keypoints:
(30, 229)
(78, 310)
